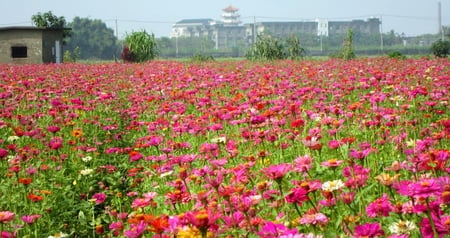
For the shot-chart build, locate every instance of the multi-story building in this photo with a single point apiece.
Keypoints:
(230, 32)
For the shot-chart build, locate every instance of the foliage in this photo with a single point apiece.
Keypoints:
(266, 47)
(141, 45)
(441, 48)
(72, 56)
(49, 20)
(396, 54)
(94, 39)
(294, 48)
(347, 52)
(202, 58)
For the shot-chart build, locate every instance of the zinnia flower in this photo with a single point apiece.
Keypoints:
(30, 219)
(380, 207)
(6, 216)
(368, 230)
(402, 227)
(331, 186)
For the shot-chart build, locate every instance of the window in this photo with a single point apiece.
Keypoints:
(19, 52)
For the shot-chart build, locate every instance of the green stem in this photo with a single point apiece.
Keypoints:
(430, 218)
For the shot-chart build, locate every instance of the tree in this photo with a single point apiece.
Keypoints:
(49, 20)
(141, 45)
(441, 48)
(94, 39)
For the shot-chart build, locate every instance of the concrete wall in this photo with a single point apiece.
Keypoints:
(31, 39)
(40, 44)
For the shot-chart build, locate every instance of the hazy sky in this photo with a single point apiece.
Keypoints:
(412, 17)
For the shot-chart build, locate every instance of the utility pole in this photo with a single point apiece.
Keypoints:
(254, 30)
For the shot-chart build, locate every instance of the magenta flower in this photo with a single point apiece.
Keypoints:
(297, 195)
(425, 188)
(270, 230)
(56, 143)
(442, 225)
(380, 207)
(30, 219)
(368, 230)
(99, 198)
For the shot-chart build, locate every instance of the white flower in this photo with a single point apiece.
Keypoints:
(166, 174)
(331, 186)
(86, 171)
(87, 158)
(59, 235)
(402, 227)
(12, 138)
(219, 140)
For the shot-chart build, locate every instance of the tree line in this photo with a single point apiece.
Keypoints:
(91, 39)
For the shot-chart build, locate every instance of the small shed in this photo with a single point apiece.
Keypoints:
(31, 45)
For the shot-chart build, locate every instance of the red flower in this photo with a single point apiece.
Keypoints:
(25, 181)
(34, 197)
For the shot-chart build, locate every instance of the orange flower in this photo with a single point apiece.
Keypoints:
(77, 133)
(160, 224)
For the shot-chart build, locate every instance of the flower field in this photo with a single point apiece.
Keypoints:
(226, 149)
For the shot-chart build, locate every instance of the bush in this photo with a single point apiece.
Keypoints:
(202, 58)
(441, 48)
(396, 55)
(140, 46)
(266, 47)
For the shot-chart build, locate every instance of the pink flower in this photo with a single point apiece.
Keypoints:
(6, 216)
(303, 163)
(203, 219)
(332, 163)
(116, 226)
(136, 230)
(380, 207)
(368, 230)
(314, 219)
(277, 172)
(141, 202)
(30, 219)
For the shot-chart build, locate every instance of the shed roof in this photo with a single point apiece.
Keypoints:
(31, 28)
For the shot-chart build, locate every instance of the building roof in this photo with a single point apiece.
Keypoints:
(31, 28)
(195, 21)
(230, 9)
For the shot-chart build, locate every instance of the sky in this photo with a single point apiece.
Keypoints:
(411, 17)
